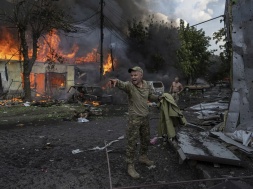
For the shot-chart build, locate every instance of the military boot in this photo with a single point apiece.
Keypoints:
(132, 172)
(144, 159)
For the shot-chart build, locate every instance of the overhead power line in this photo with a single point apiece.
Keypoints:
(117, 36)
(115, 27)
(86, 19)
(208, 20)
(127, 17)
(117, 33)
(115, 15)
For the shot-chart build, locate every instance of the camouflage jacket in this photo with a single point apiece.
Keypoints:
(137, 97)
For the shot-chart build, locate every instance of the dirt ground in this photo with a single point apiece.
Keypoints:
(37, 146)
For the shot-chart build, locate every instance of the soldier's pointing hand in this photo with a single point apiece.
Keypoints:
(112, 83)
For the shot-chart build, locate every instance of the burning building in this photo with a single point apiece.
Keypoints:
(66, 60)
(44, 81)
(53, 72)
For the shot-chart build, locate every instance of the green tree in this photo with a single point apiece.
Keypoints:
(225, 53)
(34, 19)
(193, 54)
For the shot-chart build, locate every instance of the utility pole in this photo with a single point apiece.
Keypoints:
(112, 58)
(101, 38)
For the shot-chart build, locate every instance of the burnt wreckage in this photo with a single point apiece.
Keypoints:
(84, 92)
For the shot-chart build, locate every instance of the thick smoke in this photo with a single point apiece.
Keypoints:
(6, 6)
(117, 14)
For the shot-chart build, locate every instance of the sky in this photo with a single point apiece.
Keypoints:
(193, 12)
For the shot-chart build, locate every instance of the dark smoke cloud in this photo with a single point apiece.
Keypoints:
(117, 14)
(119, 8)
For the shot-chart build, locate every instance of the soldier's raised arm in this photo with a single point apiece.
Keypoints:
(119, 84)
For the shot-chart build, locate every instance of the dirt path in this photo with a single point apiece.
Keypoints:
(41, 157)
(36, 147)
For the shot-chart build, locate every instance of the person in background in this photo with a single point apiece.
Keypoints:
(175, 89)
(139, 92)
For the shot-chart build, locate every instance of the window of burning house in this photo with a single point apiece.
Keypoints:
(56, 80)
(37, 82)
(32, 80)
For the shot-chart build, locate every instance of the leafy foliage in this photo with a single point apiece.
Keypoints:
(193, 55)
(225, 54)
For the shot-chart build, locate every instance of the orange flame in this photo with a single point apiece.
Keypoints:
(51, 44)
(8, 46)
(93, 103)
(16, 100)
(11, 101)
(49, 48)
(90, 57)
(108, 64)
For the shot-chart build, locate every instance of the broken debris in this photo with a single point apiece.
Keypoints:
(27, 104)
(199, 146)
(76, 151)
(241, 136)
(82, 120)
(211, 106)
(96, 111)
(102, 148)
(228, 140)
(108, 144)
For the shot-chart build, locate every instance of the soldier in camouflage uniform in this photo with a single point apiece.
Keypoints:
(139, 92)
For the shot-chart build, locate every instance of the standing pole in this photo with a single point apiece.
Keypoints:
(101, 38)
(112, 59)
(108, 164)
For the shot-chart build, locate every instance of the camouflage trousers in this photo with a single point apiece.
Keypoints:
(138, 128)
